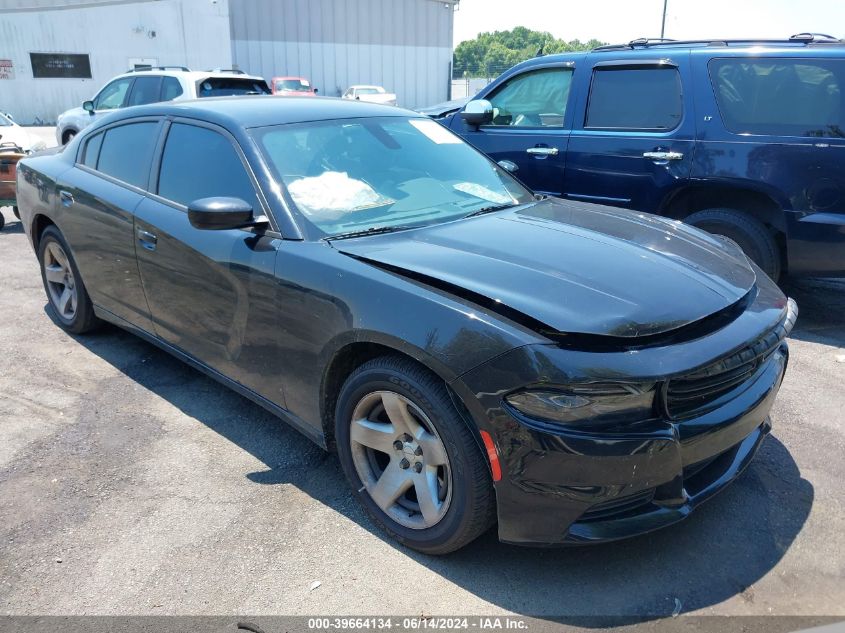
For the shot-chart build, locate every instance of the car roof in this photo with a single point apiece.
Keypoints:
(365, 86)
(263, 110)
(288, 77)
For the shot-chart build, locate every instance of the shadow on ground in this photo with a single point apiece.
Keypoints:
(718, 553)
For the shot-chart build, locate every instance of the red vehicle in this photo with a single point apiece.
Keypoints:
(292, 87)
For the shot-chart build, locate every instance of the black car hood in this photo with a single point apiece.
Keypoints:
(574, 267)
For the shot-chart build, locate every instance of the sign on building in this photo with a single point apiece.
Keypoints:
(60, 65)
(7, 69)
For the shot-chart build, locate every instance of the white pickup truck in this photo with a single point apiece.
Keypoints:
(373, 94)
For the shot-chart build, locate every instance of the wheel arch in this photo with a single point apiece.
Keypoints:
(762, 205)
(347, 353)
(40, 222)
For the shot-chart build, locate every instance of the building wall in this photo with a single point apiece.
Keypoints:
(192, 33)
(403, 45)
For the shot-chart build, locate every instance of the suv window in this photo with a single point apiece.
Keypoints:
(145, 90)
(782, 97)
(635, 99)
(228, 86)
(170, 88)
(533, 99)
(113, 95)
(127, 151)
(201, 163)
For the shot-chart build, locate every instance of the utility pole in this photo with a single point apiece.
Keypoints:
(663, 24)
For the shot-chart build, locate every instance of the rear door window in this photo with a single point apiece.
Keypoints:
(533, 99)
(127, 151)
(780, 97)
(201, 163)
(644, 98)
(146, 89)
(228, 86)
(92, 151)
(170, 88)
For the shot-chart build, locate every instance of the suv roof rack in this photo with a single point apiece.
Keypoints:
(645, 42)
(234, 71)
(149, 68)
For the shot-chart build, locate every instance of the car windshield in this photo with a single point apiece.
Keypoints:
(297, 85)
(370, 91)
(229, 86)
(383, 173)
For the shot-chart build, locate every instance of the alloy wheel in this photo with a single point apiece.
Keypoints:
(61, 285)
(400, 459)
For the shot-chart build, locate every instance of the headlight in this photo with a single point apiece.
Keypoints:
(588, 404)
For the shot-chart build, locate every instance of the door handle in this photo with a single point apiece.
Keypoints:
(663, 155)
(147, 239)
(66, 198)
(543, 151)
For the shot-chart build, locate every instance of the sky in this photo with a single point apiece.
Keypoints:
(616, 21)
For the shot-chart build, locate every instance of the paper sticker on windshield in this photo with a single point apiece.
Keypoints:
(434, 131)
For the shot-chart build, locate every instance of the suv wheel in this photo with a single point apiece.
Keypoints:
(411, 459)
(752, 236)
(66, 294)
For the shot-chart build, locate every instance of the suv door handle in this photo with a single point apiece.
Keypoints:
(66, 197)
(147, 239)
(663, 155)
(543, 151)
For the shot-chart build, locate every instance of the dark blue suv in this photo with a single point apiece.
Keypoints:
(742, 138)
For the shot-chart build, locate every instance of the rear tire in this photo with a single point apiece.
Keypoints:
(67, 137)
(752, 236)
(435, 500)
(67, 297)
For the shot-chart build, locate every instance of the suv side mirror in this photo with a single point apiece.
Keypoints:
(88, 106)
(478, 112)
(220, 214)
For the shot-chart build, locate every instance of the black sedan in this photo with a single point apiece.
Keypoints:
(473, 352)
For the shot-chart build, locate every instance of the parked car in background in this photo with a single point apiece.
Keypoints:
(292, 87)
(13, 137)
(473, 352)
(742, 138)
(371, 94)
(161, 83)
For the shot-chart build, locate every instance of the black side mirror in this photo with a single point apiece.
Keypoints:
(88, 106)
(220, 214)
(478, 112)
(316, 91)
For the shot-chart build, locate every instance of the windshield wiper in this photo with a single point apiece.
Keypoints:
(373, 230)
(490, 209)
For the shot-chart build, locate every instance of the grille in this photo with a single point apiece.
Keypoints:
(700, 391)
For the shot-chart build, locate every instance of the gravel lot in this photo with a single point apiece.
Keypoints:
(132, 484)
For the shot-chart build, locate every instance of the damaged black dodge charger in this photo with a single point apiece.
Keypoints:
(473, 352)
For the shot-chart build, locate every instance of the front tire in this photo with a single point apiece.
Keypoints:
(410, 458)
(753, 237)
(66, 294)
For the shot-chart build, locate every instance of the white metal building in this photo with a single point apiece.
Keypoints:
(54, 54)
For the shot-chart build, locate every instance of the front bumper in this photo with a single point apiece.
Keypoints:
(563, 485)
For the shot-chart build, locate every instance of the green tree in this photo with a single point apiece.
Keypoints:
(490, 54)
